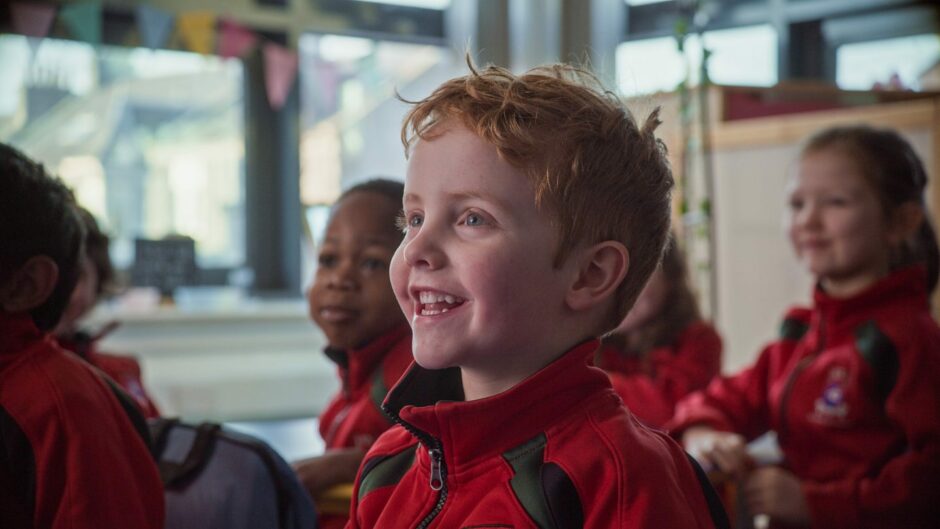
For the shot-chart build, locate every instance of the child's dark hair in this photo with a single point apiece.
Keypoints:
(679, 309)
(393, 190)
(896, 173)
(38, 216)
(97, 243)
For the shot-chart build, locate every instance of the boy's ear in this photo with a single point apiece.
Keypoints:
(906, 221)
(601, 270)
(30, 285)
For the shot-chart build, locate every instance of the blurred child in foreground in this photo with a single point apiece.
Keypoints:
(662, 350)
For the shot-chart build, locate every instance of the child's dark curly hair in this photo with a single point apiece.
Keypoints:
(38, 216)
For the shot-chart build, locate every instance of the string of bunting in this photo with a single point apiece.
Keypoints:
(199, 31)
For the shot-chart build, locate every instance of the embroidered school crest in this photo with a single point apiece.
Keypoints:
(831, 407)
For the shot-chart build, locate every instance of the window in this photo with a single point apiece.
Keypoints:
(351, 116)
(740, 56)
(150, 140)
(859, 66)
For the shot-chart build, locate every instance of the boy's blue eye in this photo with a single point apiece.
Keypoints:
(415, 220)
(474, 219)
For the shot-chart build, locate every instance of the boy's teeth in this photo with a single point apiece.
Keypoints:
(433, 303)
(431, 297)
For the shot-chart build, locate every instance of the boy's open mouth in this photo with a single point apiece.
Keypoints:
(434, 303)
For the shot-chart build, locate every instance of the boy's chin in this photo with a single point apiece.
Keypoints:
(431, 360)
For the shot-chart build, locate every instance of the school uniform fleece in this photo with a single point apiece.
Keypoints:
(70, 457)
(558, 450)
(852, 388)
(651, 383)
(354, 417)
(123, 369)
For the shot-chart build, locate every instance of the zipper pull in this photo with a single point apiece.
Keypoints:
(437, 481)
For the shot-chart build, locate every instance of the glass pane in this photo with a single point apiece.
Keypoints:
(350, 114)
(428, 4)
(861, 65)
(151, 141)
(644, 2)
(739, 56)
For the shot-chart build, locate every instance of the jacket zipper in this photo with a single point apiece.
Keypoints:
(791, 380)
(438, 472)
(438, 480)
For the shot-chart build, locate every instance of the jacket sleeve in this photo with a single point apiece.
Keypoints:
(907, 486)
(688, 366)
(738, 403)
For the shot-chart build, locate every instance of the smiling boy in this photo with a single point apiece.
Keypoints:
(535, 209)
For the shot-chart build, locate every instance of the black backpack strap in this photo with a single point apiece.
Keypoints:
(160, 431)
(173, 474)
(131, 409)
(715, 508)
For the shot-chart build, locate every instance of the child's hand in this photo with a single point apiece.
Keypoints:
(332, 468)
(722, 451)
(777, 493)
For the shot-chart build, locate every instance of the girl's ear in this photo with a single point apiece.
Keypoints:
(30, 285)
(905, 222)
(602, 269)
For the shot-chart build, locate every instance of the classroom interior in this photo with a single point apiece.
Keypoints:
(233, 126)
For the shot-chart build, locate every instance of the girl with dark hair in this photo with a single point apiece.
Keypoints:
(662, 350)
(96, 280)
(852, 386)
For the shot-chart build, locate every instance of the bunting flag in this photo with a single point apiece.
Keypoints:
(154, 26)
(280, 69)
(83, 20)
(235, 40)
(197, 29)
(32, 20)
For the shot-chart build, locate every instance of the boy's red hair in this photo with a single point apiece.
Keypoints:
(600, 175)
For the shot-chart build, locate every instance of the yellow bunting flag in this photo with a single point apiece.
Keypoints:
(197, 29)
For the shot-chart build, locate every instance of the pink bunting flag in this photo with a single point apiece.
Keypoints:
(280, 69)
(235, 40)
(32, 20)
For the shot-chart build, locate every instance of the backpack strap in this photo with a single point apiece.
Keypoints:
(715, 508)
(173, 474)
(131, 409)
(159, 432)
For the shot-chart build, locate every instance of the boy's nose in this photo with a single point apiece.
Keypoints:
(423, 252)
(343, 277)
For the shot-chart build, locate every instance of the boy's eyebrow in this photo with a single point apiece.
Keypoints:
(465, 195)
(486, 197)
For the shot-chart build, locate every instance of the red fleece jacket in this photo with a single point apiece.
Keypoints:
(69, 455)
(651, 384)
(557, 450)
(354, 416)
(852, 389)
